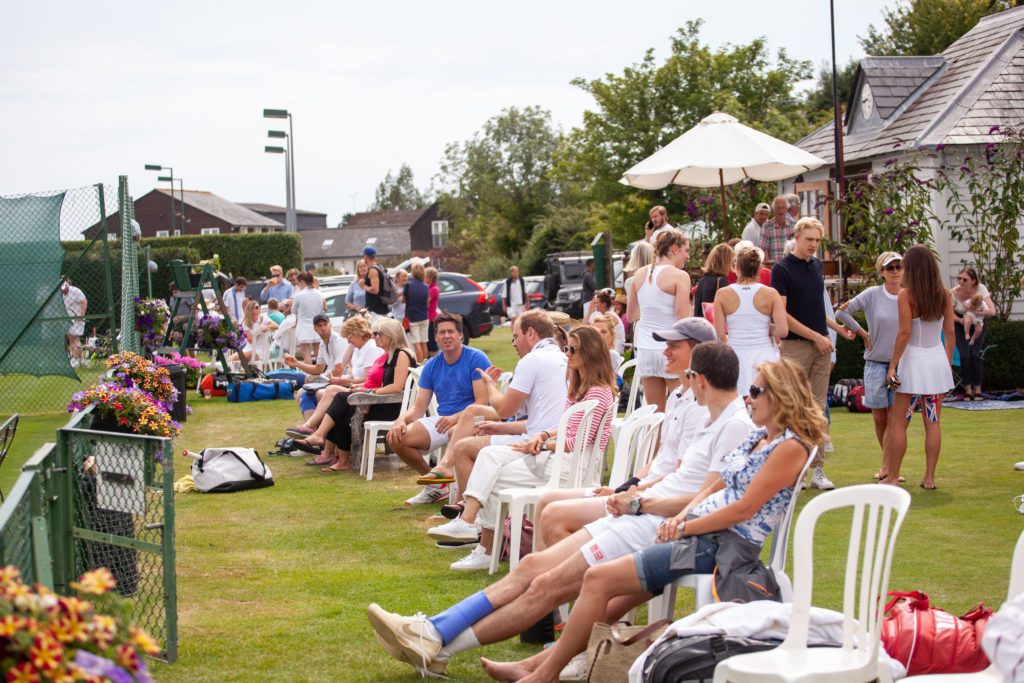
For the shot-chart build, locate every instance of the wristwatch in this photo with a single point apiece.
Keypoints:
(634, 506)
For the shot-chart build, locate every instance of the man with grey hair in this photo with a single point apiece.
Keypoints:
(752, 233)
(794, 206)
(776, 231)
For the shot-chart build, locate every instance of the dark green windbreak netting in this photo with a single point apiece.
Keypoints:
(30, 261)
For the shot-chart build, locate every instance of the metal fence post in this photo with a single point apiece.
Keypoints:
(108, 279)
(170, 576)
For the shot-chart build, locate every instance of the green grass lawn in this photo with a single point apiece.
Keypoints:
(273, 584)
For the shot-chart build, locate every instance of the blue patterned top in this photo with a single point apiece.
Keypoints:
(740, 468)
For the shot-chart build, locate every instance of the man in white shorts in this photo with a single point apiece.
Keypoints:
(544, 580)
(538, 385)
(452, 376)
(564, 511)
(75, 304)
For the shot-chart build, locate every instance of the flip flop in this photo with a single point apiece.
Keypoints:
(438, 478)
(878, 477)
(306, 447)
(331, 470)
(928, 488)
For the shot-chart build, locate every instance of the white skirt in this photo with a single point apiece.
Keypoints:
(305, 334)
(750, 358)
(924, 371)
(651, 363)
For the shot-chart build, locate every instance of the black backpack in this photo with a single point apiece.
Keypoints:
(388, 287)
(694, 658)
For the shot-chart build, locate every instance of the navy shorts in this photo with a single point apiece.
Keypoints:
(654, 563)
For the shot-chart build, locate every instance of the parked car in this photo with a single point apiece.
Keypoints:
(334, 298)
(494, 291)
(461, 294)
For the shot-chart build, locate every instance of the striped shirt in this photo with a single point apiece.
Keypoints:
(606, 401)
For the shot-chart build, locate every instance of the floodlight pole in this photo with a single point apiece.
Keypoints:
(158, 167)
(291, 219)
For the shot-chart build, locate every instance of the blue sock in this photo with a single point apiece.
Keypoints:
(461, 616)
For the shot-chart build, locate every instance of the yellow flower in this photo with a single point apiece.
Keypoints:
(10, 625)
(145, 642)
(22, 673)
(8, 574)
(98, 581)
(46, 653)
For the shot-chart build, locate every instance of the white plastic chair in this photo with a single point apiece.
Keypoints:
(662, 606)
(503, 381)
(878, 513)
(634, 429)
(373, 429)
(261, 352)
(513, 501)
(634, 391)
(991, 674)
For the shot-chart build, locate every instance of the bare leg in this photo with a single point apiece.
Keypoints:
(932, 442)
(411, 448)
(563, 512)
(463, 455)
(601, 583)
(881, 419)
(896, 437)
(655, 392)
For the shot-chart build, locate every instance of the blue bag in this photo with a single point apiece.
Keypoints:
(296, 377)
(244, 390)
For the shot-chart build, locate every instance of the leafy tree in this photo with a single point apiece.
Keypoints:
(648, 104)
(819, 98)
(399, 192)
(927, 27)
(497, 185)
(985, 198)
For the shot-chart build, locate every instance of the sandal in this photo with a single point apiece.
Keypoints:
(452, 510)
(437, 478)
(335, 470)
(306, 447)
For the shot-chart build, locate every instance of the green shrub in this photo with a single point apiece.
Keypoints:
(849, 356)
(1002, 368)
(247, 255)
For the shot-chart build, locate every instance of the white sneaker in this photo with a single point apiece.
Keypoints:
(410, 639)
(455, 530)
(820, 481)
(828, 447)
(1019, 466)
(478, 559)
(576, 669)
(433, 493)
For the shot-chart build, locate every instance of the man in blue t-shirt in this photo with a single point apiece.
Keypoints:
(452, 377)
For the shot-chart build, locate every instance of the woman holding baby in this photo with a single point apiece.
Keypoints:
(972, 303)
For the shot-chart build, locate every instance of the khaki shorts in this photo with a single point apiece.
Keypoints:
(418, 332)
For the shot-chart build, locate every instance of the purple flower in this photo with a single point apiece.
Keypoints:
(939, 148)
(889, 211)
(993, 129)
(965, 169)
(892, 161)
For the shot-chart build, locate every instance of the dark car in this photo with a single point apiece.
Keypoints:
(461, 294)
(534, 291)
(495, 297)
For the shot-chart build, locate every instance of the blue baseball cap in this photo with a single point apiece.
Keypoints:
(369, 251)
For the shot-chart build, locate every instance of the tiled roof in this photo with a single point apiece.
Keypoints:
(894, 79)
(368, 219)
(348, 242)
(229, 212)
(982, 85)
(271, 208)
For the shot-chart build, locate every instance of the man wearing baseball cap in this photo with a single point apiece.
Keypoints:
(550, 577)
(371, 284)
(752, 232)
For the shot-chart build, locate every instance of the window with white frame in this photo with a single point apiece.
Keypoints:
(439, 233)
(163, 233)
(210, 231)
(177, 233)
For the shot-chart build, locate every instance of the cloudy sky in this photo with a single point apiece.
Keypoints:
(94, 90)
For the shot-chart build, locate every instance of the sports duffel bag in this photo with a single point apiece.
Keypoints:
(226, 470)
(296, 377)
(243, 390)
(681, 660)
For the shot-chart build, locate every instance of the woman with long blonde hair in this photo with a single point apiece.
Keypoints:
(741, 509)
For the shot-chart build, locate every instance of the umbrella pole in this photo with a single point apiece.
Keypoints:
(725, 217)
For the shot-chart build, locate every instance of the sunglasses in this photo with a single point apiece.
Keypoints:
(963, 279)
(894, 266)
(571, 350)
(375, 334)
(755, 391)
(690, 374)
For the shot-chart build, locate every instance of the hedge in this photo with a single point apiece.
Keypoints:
(247, 255)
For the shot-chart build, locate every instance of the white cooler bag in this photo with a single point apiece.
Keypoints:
(225, 470)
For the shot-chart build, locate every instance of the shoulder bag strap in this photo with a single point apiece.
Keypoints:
(252, 472)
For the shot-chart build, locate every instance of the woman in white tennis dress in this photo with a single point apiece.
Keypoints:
(920, 360)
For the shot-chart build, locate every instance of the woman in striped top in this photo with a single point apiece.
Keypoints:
(590, 377)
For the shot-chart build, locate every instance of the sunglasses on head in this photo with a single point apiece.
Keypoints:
(756, 391)
(690, 374)
(375, 333)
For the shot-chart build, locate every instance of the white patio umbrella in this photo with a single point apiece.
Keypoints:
(720, 151)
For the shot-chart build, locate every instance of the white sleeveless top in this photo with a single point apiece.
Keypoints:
(748, 327)
(657, 311)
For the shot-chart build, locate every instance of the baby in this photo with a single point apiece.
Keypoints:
(974, 317)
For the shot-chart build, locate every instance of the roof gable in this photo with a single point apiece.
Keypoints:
(368, 219)
(981, 82)
(227, 211)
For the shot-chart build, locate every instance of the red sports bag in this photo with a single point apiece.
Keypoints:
(929, 640)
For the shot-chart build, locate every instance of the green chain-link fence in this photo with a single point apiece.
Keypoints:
(99, 499)
(65, 302)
